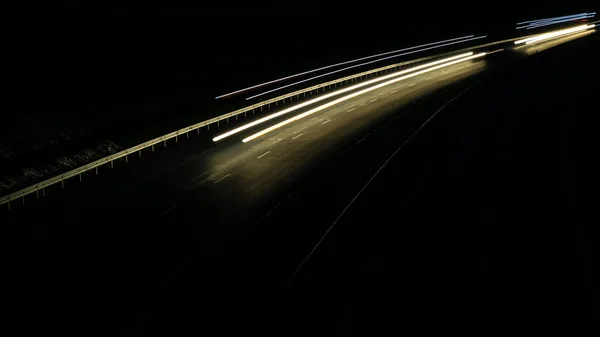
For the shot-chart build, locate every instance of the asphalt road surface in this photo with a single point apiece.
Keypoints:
(120, 250)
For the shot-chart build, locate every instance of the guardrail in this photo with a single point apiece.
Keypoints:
(163, 139)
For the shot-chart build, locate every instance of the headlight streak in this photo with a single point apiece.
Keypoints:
(336, 65)
(362, 64)
(555, 18)
(358, 93)
(538, 25)
(553, 34)
(335, 93)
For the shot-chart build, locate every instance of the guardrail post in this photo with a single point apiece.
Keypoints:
(9, 204)
(276, 103)
(43, 191)
(165, 143)
(79, 176)
(62, 183)
(140, 153)
(96, 170)
(236, 116)
(198, 130)
(126, 160)
(218, 123)
(187, 135)
(176, 138)
(112, 164)
(23, 200)
(37, 194)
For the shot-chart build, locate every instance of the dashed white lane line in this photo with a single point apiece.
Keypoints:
(277, 141)
(264, 154)
(168, 210)
(351, 109)
(227, 175)
(381, 93)
(325, 122)
(295, 132)
(393, 91)
(428, 78)
(352, 106)
(410, 85)
(373, 100)
(298, 136)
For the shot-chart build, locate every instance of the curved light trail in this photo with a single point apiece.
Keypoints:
(335, 93)
(358, 93)
(553, 34)
(363, 64)
(336, 65)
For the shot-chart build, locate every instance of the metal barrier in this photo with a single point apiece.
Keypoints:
(138, 148)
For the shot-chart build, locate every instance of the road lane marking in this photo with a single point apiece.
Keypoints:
(351, 109)
(410, 85)
(391, 92)
(352, 106)
(428, 78)
(227, 175)
(298, 136)
(295, 132)
(278, 140)
(264, 154)
(168, 210)
(381, 94)
(325, 122)
(373, 100)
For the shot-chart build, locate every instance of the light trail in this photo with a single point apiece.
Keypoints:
(554, 34)
(363, 64)
(555, 18)
(341, 91)
(336, 65)
(355, 94)
(543, 24)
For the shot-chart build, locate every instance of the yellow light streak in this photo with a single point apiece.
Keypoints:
(358, 93)
(335, 93)
(553, 34)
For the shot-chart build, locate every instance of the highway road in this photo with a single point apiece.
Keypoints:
(148, 218)
(134, 232)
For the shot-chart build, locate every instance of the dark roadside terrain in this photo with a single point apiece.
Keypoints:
(486, 219)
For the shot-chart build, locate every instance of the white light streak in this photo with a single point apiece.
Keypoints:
(358, 93)
(326, 96)
(336, 65)
(543, 24)
(360, 65)
(555, 18)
